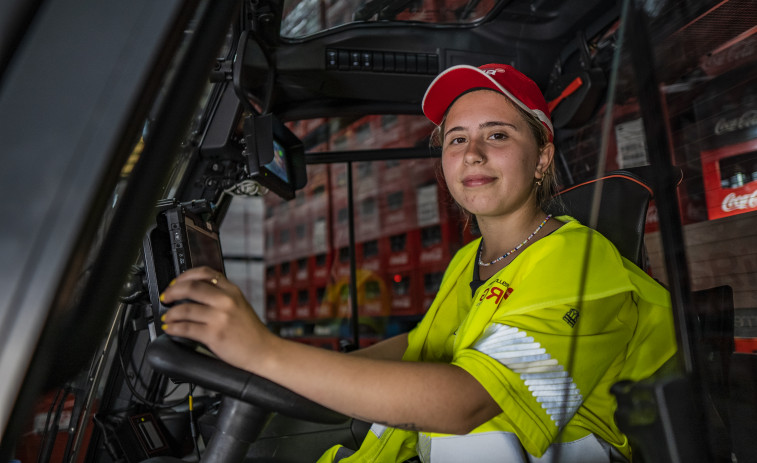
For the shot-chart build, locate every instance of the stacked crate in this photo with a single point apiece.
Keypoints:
(406, 231)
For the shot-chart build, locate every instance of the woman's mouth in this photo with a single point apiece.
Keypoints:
(477, 180)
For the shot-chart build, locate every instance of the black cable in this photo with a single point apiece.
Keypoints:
(171, 392)
(113, 450)
(51, 431)
(137, 394)
(47, 422)
(132, 388)
(123, 327)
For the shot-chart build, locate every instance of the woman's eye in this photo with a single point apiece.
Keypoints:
(498, 136)
(457, 140)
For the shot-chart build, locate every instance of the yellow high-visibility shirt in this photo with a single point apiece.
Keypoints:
(546, 336)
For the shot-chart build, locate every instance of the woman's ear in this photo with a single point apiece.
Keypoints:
(546, 156)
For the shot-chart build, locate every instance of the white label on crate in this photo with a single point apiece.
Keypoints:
(402, 302)
(372, 265)
(373, 308)
(433, 255)
(399, 259)
(632, 148)
(319, 234)
(428, 205)
(396, 217)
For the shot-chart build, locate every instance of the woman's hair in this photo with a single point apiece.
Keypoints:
(549, 184)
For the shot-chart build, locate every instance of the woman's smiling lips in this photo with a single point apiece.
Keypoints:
(477, 180)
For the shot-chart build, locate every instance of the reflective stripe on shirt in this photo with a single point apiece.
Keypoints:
(501, 446)
(546, 379)
(378, 430)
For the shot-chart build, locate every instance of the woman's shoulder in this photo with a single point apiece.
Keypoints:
(574, 232)
(569, 246)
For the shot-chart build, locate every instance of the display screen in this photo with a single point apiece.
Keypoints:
(204, 249)
(278, 165)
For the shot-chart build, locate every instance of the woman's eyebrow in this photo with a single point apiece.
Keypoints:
(489, 124)
(484, 125)
(453, 129)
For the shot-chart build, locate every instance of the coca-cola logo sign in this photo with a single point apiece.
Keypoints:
(740, 52)
(746, 120)
(733, 202)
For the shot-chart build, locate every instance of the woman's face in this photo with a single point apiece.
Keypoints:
(490, 157)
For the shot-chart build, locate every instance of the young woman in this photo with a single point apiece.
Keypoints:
(510, 363)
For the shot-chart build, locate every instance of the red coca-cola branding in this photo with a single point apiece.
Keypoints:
(737, 54)
(733, 202)
(724, 196)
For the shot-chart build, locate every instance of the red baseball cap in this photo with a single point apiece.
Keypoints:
(502, 78)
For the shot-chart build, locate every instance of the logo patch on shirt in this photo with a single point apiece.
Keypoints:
(571, 317)
(499, 290)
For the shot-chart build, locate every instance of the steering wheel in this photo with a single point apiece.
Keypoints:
(183, 362)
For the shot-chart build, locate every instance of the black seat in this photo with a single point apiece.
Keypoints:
(622, 216)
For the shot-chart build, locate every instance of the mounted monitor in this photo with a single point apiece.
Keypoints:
(275, 156)
(179, 239)
(239, 144)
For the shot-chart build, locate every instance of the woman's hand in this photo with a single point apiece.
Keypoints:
(212, 310)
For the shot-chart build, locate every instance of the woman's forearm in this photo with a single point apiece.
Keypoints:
(389, 349)
(410, 395)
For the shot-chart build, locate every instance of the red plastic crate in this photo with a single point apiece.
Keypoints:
(271, 306)
(405, 292)
(402, 250)
(746, 345)
(438, 243)
(303, 302)
(286, 302)
(430, 277)
(285, 276)
(725, 201)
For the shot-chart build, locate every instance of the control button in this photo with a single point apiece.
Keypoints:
(389, 62)
(344, 60)
(411, 63)
(433, 64)
(367, 60)
(400, 64)
(422, 64)
(332, 59)
(378, 61)
(355, 60)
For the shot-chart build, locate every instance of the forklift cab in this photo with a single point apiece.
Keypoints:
(282, 143)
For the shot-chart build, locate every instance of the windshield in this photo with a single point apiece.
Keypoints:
(303, 18)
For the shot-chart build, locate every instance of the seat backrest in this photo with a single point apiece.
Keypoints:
(623, 207)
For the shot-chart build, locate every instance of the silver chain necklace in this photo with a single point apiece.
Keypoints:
(484, 264)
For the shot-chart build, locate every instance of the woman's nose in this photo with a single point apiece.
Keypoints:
(473, 153)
